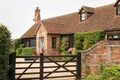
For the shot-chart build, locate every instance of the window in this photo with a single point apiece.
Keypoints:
(110, 37)
(118, 10)
(53, 42)
(71, 41)
(28, 44)
(41, 44)
(33, 43)
(114, 37)
(83, 16)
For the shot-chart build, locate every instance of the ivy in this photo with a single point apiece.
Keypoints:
(64, 44)
(84, 40)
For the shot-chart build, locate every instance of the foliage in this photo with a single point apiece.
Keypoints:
(17, 43)
(5, 44)
(101, 67)
(91, 77)
(27, 51)
(21, 46)
(78, 38)
(64, 44)
(87, 70)
(109, 73)
(84, 40)
(19, 51)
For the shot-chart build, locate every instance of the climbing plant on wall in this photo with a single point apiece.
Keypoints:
(64, 44)
(84, 40)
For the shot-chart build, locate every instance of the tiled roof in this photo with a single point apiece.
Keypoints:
(116, 22)
(32, 31)
(65, 22)
(87, 9)
(104, 18)
(56, 25)
(53, 28)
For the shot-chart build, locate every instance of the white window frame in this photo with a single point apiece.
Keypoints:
(83, 16)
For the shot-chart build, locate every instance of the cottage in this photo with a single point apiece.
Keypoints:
(45, 34)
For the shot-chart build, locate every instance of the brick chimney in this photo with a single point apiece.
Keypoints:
(37, 15)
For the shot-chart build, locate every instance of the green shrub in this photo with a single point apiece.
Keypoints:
(91, 77)
(84, 40)
(16, 43)
(21, 46)
(87, 70)
(27, 51)
(111, 73)
(5, 44)
(64, 44)
(19, 51)
(108, 73)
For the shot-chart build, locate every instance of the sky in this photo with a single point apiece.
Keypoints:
(18, 15)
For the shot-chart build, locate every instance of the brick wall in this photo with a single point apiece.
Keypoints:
(50, 50)
(47, 49)
(107, 52)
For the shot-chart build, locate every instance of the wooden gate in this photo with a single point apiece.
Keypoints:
(45, 67)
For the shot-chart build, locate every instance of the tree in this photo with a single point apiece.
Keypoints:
(5, 43)
(17, 43)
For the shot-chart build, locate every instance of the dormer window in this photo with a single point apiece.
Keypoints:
(83, 16)
(117, 6)
(85, 13)
(118, 9)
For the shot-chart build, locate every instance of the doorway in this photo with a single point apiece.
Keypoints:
(41, 44)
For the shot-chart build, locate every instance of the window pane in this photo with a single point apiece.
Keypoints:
(33, 43)
(53, 42)
(115, 36)
(83, 16)
(119, 9)
(109, 37)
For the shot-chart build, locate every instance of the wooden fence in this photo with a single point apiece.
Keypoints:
(46, 67)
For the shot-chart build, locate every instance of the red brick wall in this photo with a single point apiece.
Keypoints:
(50, 50)
(101, 52)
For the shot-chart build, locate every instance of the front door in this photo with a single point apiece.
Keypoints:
(41, 44)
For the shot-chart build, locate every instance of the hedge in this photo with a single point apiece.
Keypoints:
(27, 51)
(84, 40)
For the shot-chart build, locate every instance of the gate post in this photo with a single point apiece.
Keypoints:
(12, 60)
(78, 67)
(41, 65)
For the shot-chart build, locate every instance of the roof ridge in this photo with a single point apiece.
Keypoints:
(60, 16)
(88, 7)
(105, 5)
(53, 23)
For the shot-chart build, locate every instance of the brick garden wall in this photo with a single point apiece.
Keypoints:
(107, 52)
